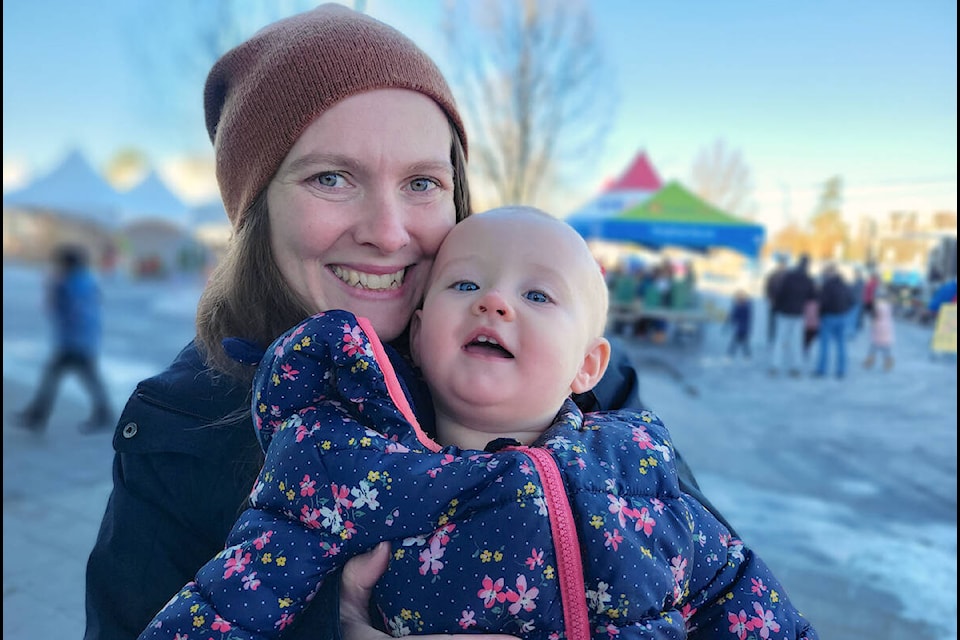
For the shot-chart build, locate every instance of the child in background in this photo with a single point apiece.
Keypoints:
(487, 517)
(881, 330)
(741, 321)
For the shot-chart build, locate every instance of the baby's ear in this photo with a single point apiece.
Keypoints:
(415, 323)
(593, 367)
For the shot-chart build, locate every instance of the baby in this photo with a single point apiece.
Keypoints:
(516, 513)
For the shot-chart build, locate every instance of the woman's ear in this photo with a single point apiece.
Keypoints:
(415, 323)
(593, 366)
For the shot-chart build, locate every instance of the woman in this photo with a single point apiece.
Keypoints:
(340, 157)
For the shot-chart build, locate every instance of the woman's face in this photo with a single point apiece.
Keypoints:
(361, 203)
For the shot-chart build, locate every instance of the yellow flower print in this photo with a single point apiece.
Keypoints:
(325, 445)
(284, 602)
(198, 621)
(549, 572)
(281, 561)
(596, 522)
(306, 340)
(365, 441)
(406, 614)
(399, 553)
(352, 441)
(291, 494)
(194, 608)
(774, 596)
(485, 556)
(652, 461)
(454, 502)
(442, 520)
(282, 486)
(267, 558)
(373, 476)
(261, 408)
(529, 488)
(646, 552)
(275, 379)
(497, 556)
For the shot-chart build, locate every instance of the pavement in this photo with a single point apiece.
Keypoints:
(847, 488)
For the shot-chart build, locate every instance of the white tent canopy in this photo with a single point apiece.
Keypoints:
(151, 200)
(73, 189)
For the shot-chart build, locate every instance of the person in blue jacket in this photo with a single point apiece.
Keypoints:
(341, 160)
(523, 515)
(74, 305)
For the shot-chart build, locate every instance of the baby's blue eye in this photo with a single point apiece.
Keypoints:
(465, 285)
(537, 296)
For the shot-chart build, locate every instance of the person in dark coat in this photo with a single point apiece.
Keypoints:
(74, 305)
(834, 301)
(772, 284)
(316, 122)
(740, 320)
(795, 289)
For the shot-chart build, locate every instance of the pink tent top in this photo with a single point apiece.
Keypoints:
(640, 176)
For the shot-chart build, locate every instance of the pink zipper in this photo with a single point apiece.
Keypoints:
(565, 542)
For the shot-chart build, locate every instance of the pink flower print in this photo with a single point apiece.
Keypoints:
(341, 495)
(219, 624)
(331, 550)
(310, 517)
(250, 582)
(764, 621)
(236, 564)
(433, 473)
(612, 630)
(430, 557)
(492, 592)
(447, 459)
(358, 402)
(467, 619)
(535, 559)
(285, 620)
(302, 432)
(443, 534)
(658, 505)
(307, 486)
(349, 530)
(678, 567)
(288, 372)
(612, 539)
(687, 611)
(352, 341)
(645, 522)
(262, 540)
(739, 624)
(642, 438)
(758, 587)
(617, 506)
(523, 598)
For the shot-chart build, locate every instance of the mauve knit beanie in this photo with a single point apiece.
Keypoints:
(261, 95)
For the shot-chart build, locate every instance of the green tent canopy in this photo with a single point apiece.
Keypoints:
(673, 216)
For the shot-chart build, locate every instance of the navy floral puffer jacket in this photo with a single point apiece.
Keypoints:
(584, 534)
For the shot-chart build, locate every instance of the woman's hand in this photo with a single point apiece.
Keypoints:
(356, 586)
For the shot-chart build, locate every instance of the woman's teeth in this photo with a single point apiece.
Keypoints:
(371, 281)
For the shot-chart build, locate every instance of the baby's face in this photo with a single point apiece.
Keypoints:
(514, 305)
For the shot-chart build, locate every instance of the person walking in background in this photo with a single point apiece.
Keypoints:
(792, 293)
(774, 278)
(870, 289)
(835, 301)
(73, 303)
(857, 286)
(881, 331)
(811, 325)
(740, 320)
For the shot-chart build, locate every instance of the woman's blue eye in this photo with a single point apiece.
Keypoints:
(329, 179)
(465, 285)
(537, 296)
(422, 184)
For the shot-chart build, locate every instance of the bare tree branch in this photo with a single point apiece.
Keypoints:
(722, 178)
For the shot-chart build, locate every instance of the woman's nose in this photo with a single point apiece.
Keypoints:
(383, 225)
(493, 302)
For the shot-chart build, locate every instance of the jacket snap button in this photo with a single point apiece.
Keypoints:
(130, 430)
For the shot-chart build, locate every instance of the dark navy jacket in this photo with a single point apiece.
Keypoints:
(186, 459)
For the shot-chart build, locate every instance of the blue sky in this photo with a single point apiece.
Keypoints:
(803, 91)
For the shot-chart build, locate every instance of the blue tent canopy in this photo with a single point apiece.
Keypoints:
(673, 217)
